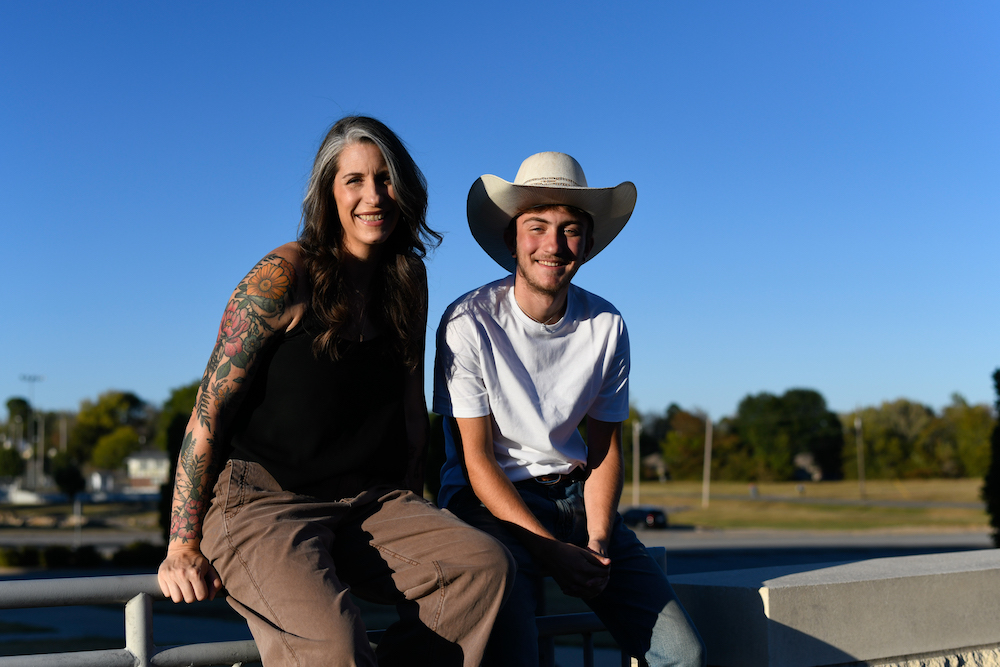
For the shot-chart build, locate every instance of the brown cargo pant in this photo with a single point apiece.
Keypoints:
(287, 562)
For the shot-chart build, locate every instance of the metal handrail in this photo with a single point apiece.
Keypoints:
(139, 591)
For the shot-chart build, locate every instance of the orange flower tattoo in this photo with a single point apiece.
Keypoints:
(269, 282)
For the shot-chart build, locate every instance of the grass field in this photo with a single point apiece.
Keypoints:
(780, 504)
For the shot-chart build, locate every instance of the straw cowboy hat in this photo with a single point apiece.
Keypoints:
(544, 178)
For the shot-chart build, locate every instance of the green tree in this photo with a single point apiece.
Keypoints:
(970, 426)
(11, 463)
(174, 416)
(67, 475)
(684, 449)
(112, 410)
(113, 448)
(991, 487)
(18, 407)
(814, 429)
(757, 423)
(683, 446)
(775, 429)
(732, 459)
(902, 440)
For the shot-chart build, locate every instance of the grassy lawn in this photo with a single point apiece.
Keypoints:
(731, 505)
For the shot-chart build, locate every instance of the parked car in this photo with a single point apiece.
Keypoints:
(645, 516)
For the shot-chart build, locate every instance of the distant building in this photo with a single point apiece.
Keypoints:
(148, 469)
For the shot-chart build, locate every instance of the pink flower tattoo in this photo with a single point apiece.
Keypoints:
(234, 325)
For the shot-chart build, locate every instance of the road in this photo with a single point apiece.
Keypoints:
(692, 550)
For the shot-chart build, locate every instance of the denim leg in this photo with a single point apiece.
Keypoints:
(514, 640)
(640, 609)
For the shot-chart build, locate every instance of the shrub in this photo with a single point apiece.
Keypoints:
(991, 488)
(57, 557)
(139, 554)
(88, 557)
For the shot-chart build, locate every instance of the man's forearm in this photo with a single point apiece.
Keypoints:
(604, 484)
(488, 481)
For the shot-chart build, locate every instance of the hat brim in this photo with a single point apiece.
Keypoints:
(493, 203)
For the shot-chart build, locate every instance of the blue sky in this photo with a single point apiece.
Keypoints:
(818, 182)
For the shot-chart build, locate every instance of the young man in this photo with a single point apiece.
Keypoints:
(521, 362)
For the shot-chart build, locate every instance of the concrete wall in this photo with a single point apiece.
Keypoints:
(887, 610)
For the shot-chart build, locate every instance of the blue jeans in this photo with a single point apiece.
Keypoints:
(638, 606)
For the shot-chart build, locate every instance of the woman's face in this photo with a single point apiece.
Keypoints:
(365, 199)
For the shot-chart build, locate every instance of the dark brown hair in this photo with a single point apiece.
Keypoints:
(398, 294)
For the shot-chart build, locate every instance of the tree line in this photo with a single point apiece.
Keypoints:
(792, 436)
(101, 435)
(795, 436)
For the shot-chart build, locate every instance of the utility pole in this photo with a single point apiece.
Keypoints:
(32, 380)
(861, 453)
(706, 474)
(40, 429)
(636, 432)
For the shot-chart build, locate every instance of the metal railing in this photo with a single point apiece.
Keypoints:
(137, 593)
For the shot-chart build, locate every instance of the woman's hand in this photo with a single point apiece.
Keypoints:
(186, 575)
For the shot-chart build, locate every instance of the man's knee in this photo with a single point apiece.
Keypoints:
(687, 650)
(692, 653)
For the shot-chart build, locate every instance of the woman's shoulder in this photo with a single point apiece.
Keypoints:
(291, 253)
(288, 261)
(278, 284)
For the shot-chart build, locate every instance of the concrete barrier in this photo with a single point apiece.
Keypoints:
(941, 609)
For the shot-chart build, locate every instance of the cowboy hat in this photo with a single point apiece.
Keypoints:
(543, 179)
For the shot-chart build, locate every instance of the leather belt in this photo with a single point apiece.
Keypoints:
(553, 479)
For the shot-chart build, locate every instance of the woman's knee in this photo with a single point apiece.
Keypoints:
(488, 563)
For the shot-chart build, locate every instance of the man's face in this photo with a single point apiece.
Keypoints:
(551, 244)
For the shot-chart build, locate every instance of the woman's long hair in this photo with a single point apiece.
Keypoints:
(398, 296)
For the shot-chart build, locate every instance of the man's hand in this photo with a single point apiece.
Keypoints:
(186, 575)
(582, 573)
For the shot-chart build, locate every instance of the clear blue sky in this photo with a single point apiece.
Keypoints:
(819, 182)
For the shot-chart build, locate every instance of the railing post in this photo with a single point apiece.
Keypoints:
(588, 649)
(139, 629)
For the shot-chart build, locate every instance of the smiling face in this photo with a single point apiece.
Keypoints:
(366, 202)
(550, 244)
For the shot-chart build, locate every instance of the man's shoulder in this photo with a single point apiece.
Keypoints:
(590, 304)
(477, 302)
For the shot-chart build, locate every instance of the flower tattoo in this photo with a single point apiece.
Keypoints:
(252, 316)
(269, 282)
(234, 324)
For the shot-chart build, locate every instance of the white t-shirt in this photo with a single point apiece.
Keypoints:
(537, 381)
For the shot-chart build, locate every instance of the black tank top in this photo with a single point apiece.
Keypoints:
(320, 427)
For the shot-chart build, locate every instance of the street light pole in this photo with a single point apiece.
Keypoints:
(861, 454)
(32, 380)
(636, 432)
(706, 475)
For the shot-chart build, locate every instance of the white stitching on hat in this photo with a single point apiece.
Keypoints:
(552, 180)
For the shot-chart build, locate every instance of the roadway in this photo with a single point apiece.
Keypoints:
(695, 550)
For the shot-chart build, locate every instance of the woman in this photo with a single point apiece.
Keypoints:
(309, 430)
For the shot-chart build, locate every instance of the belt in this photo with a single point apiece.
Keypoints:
(575, 475)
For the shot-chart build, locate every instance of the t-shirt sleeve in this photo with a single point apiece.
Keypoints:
(612, 401)
(459, 387)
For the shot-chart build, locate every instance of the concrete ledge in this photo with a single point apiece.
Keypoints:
(980, 656)
(883, 610)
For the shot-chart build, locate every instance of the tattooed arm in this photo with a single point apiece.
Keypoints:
(264, 303)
